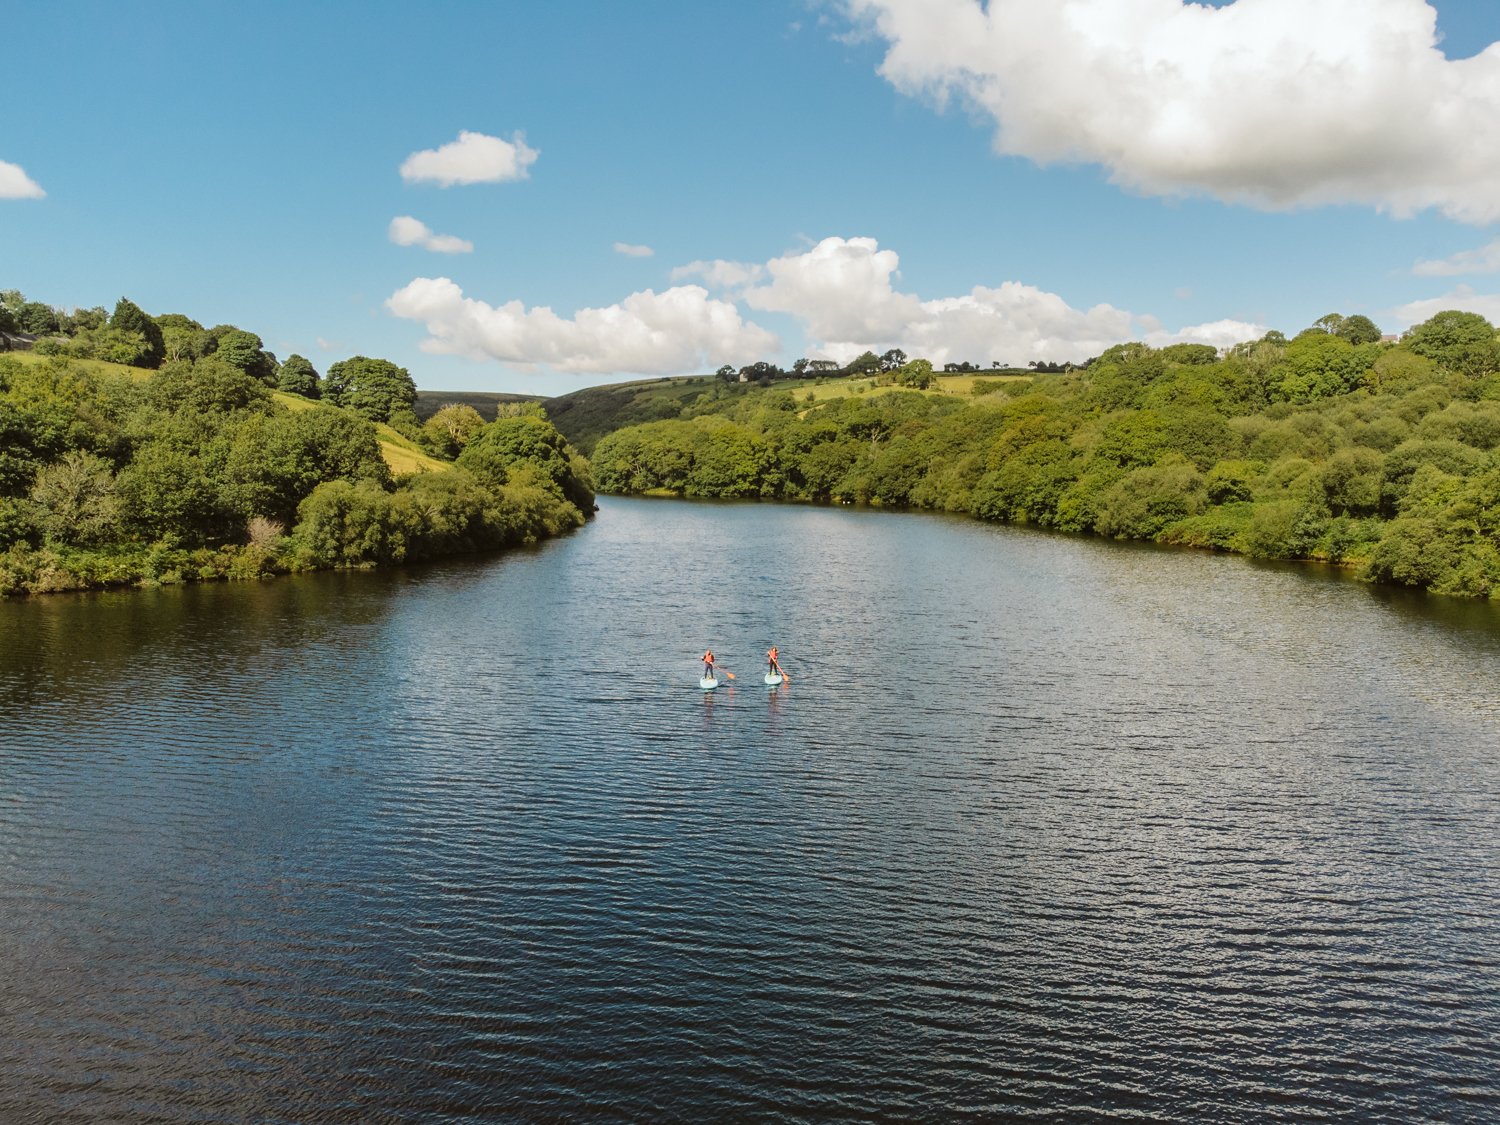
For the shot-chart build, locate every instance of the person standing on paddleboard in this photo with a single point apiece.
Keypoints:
(773, 668)
(708, 664)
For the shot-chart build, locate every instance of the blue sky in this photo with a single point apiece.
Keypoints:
(831, 167)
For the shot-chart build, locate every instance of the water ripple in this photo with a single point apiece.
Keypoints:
(1041, 829)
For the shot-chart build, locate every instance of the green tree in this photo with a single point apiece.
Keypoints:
(1460, 341)
(273, 462)
(917, 374)
(128, 317)
(494, 453)
(37, 319)
(866, 363)
(183, 337)
(297, 376)
(375, 388)
(1358, 329)
(83, 320)
(1191, 354)
(245, 352)
(75, 500)
(450, 429)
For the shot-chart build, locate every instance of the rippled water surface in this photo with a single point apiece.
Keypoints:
(1040, 828)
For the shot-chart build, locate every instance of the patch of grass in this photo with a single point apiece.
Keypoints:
(404, 456)
(96, 366)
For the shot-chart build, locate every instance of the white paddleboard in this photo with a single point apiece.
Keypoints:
(708, 683)
(772, 679)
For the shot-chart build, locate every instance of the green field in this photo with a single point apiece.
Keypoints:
(97, 366)
(586, 415)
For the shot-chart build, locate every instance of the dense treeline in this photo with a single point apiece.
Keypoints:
(199, 469)
(1330, 446)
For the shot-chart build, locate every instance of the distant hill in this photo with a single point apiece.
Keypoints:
(430, 402)
(584, 416)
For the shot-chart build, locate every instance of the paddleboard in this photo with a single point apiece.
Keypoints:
(708, 683)
(772, 679)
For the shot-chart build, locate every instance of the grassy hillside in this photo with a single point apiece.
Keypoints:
(400, 453)
(586, 415)
(97, 366)
(430, 402)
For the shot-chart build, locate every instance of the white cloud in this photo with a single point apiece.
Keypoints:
(472, 159)
(720, 274)
(1271, 103)
(633, 251)
(1220, 333)
(843, 292)
(407, 231)
(16, 184)
(1462, 298)
(1484, 260)
(680, 330)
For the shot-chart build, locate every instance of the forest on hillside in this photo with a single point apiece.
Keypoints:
(206, 457)
(1333, 445)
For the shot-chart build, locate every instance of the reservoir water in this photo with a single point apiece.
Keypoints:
(1041, 828)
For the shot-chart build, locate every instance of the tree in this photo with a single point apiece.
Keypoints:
(7, 320)
(892, 360)
(128, 317)
(917, 373)
(244, 351)
(727, 373)
(1192, 354)
(83, 320)
(36, 318)
(274, 462)
(496, 451)
(76, 500)
(867, 363)
(183, 337)
(297, 376)
(800, 367)
(450, 429)
(1460, 341)
(1358, 330)
(375, 388)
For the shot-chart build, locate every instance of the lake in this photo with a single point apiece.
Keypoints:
(1041, 827)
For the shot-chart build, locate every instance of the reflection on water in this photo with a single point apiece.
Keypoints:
(1042, 827)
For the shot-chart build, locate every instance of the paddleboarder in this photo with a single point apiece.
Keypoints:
(773, 668)
(708, 664)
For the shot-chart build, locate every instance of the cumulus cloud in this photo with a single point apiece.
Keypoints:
(16, 184)
(680, 330)
(720, 274)
(407, 231)
(1462, 298)
(472, 159)
(633, 251)
(1484, 260)
(844, 293)
(1271, 103)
